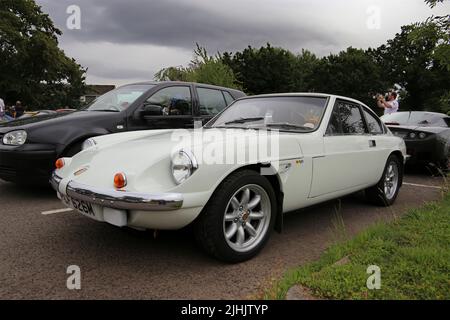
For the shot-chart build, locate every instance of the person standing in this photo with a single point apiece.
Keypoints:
(18, 110)
(390, 106)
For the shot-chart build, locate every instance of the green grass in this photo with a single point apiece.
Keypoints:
(413, 253)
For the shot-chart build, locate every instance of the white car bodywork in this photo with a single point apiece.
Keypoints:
(315, 168)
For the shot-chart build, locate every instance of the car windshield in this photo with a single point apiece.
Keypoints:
(423, 119)
(292, 113)
(119, 99)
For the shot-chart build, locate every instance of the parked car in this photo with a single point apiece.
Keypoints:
(328, 147)
(426, 134)
(30, 147)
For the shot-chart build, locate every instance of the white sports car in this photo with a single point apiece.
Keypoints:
(234, 178)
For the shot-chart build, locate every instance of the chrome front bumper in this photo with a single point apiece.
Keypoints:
(122, 200)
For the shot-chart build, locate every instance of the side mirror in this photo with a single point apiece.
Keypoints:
(151, 110)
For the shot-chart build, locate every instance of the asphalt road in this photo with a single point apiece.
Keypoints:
(36, 249)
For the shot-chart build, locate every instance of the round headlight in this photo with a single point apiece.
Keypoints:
(422, 135)
(183, 165)
(15, 138)
(88, 144)
(412, 135)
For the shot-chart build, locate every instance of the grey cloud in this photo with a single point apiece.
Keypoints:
(181, 24)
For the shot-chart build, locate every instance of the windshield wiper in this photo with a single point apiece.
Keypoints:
(244, 120)
(287, 125)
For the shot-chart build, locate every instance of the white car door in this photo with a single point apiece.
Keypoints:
(347, 162)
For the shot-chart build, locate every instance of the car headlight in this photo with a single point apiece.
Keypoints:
(184, 165)
(412, 135)
(15, 138)
(88, 144)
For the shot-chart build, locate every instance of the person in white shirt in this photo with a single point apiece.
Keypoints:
(391, 105)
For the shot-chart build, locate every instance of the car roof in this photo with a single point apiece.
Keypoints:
(183, 83)
(304, 94)
(426, 112)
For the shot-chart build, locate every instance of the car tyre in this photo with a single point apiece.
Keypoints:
(237, 221)
(385, 192)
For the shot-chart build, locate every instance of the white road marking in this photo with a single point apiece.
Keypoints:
(56, 211)
(421, 185)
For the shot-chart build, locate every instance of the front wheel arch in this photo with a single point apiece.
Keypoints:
(208, 227)
(74, 143)
(274, 180)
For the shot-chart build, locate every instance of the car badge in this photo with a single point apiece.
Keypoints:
(82, 170)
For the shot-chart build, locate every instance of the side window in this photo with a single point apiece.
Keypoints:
(211, 101)
(373, 123)
(334, 127)
(228, 98)
(351, 119)
(173, 101)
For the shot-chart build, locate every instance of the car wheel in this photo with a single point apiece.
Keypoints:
(386, 190)
(238, 219)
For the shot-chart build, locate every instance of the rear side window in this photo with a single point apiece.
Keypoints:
(346, 119)
(373, 123)
(211, 101)
(351, 119)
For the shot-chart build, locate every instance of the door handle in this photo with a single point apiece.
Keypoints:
(372, 143)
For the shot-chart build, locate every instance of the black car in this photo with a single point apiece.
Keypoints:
(426, 134)
(29, 147)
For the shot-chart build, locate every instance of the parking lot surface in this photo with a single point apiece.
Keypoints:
(38, 241)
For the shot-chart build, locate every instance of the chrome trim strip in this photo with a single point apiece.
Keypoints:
(124, 200)
(55, 180)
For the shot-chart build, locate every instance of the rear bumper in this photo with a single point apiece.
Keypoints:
(27, 164)
(425, 151)
(120, 200)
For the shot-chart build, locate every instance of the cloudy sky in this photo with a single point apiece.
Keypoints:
(122, 41)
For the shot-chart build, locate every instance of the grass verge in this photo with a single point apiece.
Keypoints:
(413, 253)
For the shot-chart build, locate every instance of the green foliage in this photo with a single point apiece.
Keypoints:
(264, 70)
(410, 61)
(412, 253)
(202, 69)
(354, 73)
(32, 66)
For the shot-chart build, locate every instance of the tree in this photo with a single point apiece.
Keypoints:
(410, 60)
(354, 73)
(304, 70)
(32, 67)
(203, 69)
(263, 70)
